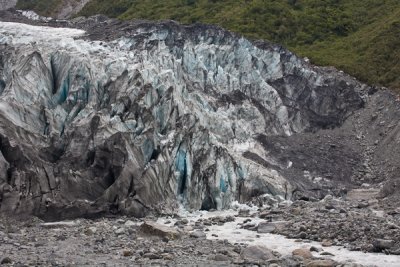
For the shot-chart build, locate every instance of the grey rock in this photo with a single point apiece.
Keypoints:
(252, 226)
(120, 221)
(382, 244)
(395, 251)
(289, 261)
(302, 252)
(303, 235)
(257, 253)
(90, 230)
(321, 263)
(151, 228)
(127, 253)
(266, 227)
(246, 221)
(120, 231)
(362, 205)
(243, 213)
(129, 224)
(198, 234)
(326, 243)
(315, 249)
(6, 260)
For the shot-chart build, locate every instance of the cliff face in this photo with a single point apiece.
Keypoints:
(138, 117)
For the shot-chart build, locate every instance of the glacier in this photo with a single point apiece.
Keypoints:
(161, 116)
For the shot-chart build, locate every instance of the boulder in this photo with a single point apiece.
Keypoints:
(321, 263)
(316, 249)
(382, 244)
(266, 227)
(351, 264)
(257, 253)
(302, 252)
(120, 231)
(129, 223)
(127, 253)
(90, 230)
(155, 229)
(326, 243)
(6, 260)
(198, 234)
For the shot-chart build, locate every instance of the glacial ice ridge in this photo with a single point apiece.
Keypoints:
(164, 114)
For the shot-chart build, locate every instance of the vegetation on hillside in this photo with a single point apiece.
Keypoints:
(359, 37)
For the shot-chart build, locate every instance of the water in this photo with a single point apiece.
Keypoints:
(230, 231)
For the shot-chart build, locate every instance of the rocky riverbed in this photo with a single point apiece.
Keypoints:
(244, 236)
(348, 224)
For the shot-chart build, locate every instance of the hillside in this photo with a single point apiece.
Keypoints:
(60, 9)
(5, 4)
(359, 37)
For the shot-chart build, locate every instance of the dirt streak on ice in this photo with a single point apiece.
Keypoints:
(231, 231)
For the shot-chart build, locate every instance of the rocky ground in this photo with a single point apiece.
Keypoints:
(349, 224)
(123, 242)
(182, 241)
(358, 223)
(104, 242)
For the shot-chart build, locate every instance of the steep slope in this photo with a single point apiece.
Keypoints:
(372, 53)
(133, 117)
(60, 9)
(359, 37)
(6, 4)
